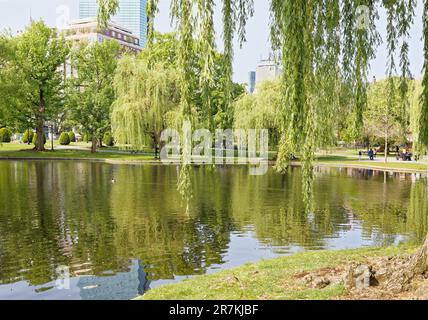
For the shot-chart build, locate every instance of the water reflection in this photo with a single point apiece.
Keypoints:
(121, 238)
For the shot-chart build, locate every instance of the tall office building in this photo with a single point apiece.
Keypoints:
(251, 81)
(132, 15)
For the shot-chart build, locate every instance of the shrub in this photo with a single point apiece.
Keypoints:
(26, 134)
(64, 139)
(108, 140)
(72, 136)
(87, 137)
(35, 139)
(5, 135)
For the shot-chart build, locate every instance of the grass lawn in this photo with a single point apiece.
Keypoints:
(80, 150)
(24, 151)
(270, 279)
(352, 161)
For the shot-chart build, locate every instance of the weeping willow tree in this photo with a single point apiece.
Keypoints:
(325, 46)
(145, 94)
(423, 121)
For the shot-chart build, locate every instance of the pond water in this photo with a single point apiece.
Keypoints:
(118, 240)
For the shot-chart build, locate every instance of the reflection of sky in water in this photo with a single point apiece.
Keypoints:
(356, 208)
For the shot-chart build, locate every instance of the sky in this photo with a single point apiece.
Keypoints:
(15, 15)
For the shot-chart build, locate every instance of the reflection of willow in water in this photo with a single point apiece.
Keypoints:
(50, 222)
(152, 226)
(72, 214)
(417, 215)
(383, 208)
(276, 209)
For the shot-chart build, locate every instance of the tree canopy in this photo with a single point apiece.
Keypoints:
(34, 76)
(91, 92)
(325, 47)
(145, 96)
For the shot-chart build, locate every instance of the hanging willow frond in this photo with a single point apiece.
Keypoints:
(423, 120)
(145, 94)
(391, 9)
(207, 48)
(106, 9)
(152, 9)
(324, 49)
(235, 18)
(293, 21)
(405, 19)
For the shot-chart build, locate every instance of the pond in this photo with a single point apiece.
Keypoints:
(119, 230)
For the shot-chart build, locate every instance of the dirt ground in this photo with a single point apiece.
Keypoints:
(382, 277)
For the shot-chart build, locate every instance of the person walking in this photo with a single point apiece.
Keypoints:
(371, 154)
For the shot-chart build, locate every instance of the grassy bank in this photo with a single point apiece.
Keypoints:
(270, 279)
(346, 158)
(23, 151)
(349, 161)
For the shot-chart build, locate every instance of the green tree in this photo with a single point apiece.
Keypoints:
(13, 87)
(260, 110)
(39, 55)
(145, 96)
(91, 92)
(165, 49)
(5, 135)
(4, 57)
(382, 117)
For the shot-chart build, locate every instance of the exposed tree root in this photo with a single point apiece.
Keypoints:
(399, 277)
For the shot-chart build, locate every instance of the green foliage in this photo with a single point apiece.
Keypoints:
(64, 139)
(5, 135)
(423, 120)
(9, 87)
(87, 137)
(416, 90)
(95, 66)
(145, 96)
(28, 136)
(35, 64)
(108, 139)
(325, 47)
(72, 136)
(207, 88)
(152, 9)
(106, 9)
(382, 117)
(262, 110)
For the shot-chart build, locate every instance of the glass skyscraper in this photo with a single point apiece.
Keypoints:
(132, 15)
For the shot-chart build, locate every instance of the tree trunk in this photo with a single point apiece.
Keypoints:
(100, 142)
(40, 143)
(416, 266)
(419, 263)
(156, 139)
(52, 138)
(94, 143)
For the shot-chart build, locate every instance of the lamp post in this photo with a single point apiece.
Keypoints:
(52, 135)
